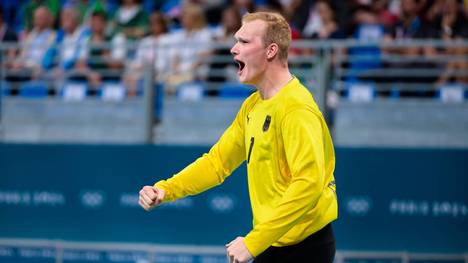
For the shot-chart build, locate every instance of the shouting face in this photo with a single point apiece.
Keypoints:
(250, 52)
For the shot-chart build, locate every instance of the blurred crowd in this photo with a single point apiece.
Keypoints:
(99, 40)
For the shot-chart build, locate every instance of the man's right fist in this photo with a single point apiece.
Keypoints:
(150, 197)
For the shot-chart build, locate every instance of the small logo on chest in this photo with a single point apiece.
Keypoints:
(266, 124)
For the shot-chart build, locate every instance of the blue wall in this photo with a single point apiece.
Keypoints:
(390, 199)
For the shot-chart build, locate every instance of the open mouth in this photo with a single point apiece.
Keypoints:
(241, 65)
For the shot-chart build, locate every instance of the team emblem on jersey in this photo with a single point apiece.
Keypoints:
(266, 124)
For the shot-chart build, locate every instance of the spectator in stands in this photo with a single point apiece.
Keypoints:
(103, 57)
(434, 10)
(131, 20)
(409, 25)
(327, 25)
(151, 51)
(329, 28)
(386, 18)
(368, 30)
(7, 35)
(230, 23)
(29, 11)
(71, 39)
(451, 25)
(189, 46)
(458, 65)
(295, 11)
(37, 43)
(367, 25)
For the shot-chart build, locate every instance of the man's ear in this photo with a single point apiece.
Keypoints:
(272, 51)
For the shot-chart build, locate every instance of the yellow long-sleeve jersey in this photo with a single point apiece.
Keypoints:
(290, 163)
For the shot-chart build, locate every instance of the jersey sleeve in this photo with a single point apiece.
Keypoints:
(303, 143)
(212, 168)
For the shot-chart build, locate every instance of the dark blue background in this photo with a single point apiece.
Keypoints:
(377, 176)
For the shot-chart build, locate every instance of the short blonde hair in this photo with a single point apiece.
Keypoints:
(196, 13)
(277, 30)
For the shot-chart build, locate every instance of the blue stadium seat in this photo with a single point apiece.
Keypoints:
(395, 92)
(190, 91)
(358, 91)
(5, 88)
(74, 91)
(232, 90)
(33, 89)
(452, 92)
(112, 91)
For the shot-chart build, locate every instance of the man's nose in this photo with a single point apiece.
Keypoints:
(234, 50)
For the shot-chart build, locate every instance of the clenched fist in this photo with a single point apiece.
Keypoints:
(237, 252)
(150, 197)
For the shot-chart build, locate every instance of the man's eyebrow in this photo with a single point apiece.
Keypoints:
(238, 38)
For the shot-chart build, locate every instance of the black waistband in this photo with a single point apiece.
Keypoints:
(324, 235)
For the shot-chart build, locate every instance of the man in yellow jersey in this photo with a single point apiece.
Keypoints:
(281, 134)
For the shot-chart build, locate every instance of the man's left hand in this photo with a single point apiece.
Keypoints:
(237, 251)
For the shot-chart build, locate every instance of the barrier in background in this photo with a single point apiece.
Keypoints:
(345, 76)
(390, 199)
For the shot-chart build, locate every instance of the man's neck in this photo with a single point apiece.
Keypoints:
(274, 80)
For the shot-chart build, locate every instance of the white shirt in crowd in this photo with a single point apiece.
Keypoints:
(187, 48)
(153, 50)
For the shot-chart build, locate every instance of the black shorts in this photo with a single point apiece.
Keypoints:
(316, 248)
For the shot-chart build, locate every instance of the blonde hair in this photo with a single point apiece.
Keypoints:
(277, 30)
(196, 12)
